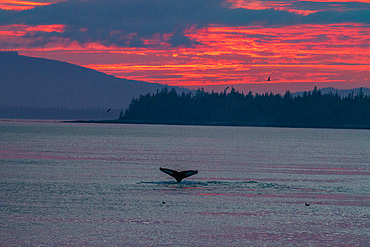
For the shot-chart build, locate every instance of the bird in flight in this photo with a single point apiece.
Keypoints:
(178, 175)
(109, 109)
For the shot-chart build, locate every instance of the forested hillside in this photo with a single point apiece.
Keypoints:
(311, 109)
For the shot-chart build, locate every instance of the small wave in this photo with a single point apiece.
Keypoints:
(160, 182)
(213, 185)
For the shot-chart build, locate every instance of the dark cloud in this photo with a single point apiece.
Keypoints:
(6, 16)
(318, 39)
(130, 22)
(178, 39)
(328, 17)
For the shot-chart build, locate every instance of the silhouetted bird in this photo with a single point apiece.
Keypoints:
(109, 109)
(268, 79)
(178, 175)
(307, 204)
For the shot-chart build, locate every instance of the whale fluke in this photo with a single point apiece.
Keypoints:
(178, 175)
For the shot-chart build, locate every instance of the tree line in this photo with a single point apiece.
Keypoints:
(311, 109)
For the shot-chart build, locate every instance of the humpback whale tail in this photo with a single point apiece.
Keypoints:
(178, 175)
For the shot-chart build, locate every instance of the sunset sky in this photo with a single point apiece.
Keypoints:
(201, 43)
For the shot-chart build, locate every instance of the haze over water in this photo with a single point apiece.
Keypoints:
(97, 185)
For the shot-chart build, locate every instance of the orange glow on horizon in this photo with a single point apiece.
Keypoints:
(221, 55)
(284, 5)
(236, 55)
(260, 5)
(198, 74)
(239, 55)
(21, 30)
(20, 5)
(46, 28)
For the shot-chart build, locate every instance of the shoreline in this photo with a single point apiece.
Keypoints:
(226, 124)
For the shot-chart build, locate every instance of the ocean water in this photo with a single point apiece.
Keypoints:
(64, 184)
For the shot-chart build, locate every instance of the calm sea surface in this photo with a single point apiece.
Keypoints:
(66, 184)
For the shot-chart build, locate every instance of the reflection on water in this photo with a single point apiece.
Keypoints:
(86, 184)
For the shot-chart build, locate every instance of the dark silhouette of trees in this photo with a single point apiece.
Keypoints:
(311, 109)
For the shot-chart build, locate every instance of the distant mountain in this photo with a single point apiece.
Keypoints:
(341, 92)
(38, 82)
